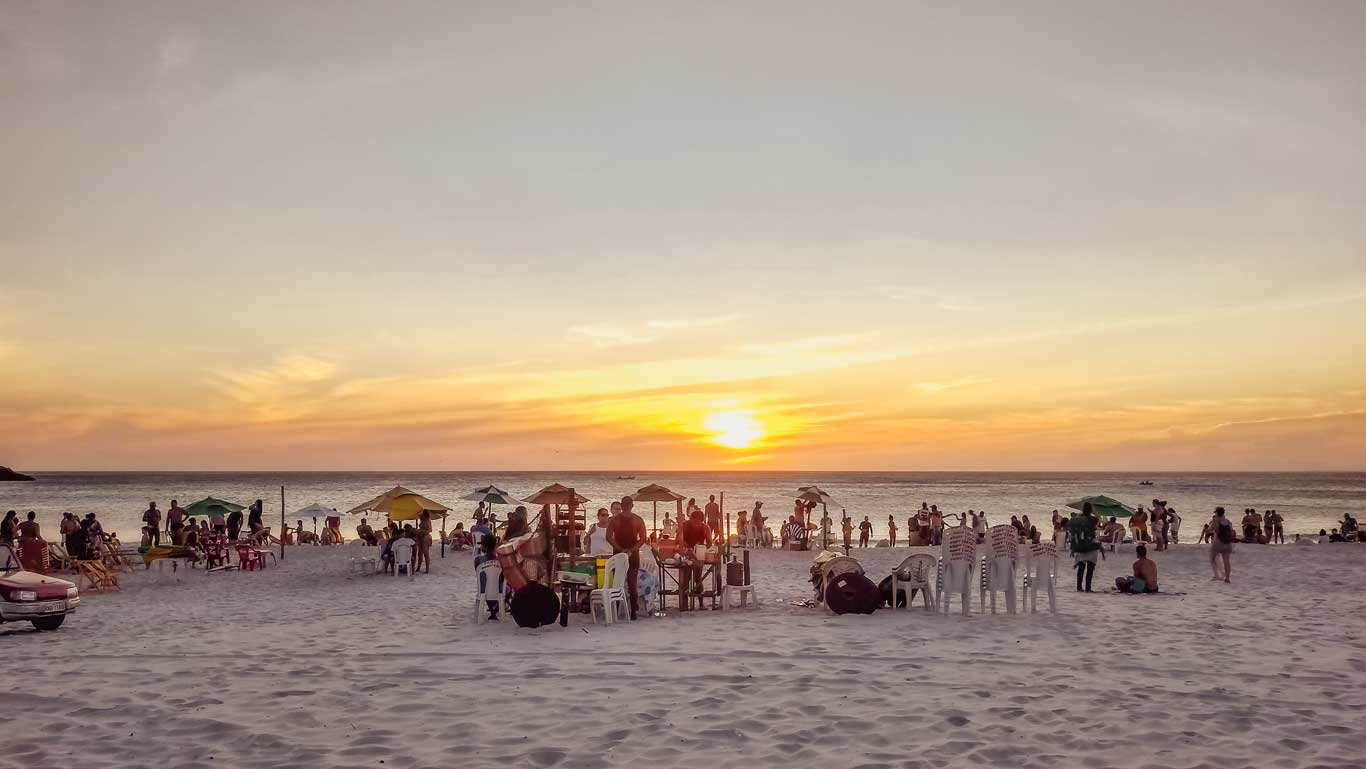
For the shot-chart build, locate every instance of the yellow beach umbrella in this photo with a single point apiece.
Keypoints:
(401, 504)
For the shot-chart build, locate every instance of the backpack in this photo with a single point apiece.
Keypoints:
(1083, 534)
(1225, 532)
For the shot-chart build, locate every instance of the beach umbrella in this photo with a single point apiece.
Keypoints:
(815, 494)
(401, 504)
(654, 494)
(314, 510)
(555, 494)
(492, 495)
(1104, 507)
(209, 506)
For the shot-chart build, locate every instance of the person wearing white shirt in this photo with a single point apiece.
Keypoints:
(595, 541)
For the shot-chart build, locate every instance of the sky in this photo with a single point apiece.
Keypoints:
(730, 236)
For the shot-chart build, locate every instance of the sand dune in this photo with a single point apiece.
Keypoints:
(301, 666)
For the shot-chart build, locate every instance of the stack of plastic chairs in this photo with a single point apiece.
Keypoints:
(613, 593)
(959, 561)
(998, 572)
(1041, 570)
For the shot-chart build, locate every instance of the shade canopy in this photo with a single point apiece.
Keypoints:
(554, 494)
(492, 495)
(209, 506)
(656, 493)
(315, 510)
(814, 494)
(401, 504)
(1104, 507)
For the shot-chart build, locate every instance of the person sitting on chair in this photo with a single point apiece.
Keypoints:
(365, 533)
(1144, 579)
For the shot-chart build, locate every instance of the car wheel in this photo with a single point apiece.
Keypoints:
(49, 623)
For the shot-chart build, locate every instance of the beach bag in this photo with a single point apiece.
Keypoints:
(852, 593)
(1083, 535)
(1225, 533)
(534, 605)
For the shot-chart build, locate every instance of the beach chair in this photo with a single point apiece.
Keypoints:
(113, 556)
(743, 591)
(488, 586)
(1114, 539)
(402, 552)
(60, 558)
(248, 558)
(97, 576)
(613, 593)
(215, 548)
(1040, 570)
(958, 562)
(999, 568)
(917, 572)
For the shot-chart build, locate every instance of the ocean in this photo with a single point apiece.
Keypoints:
(1307, 501)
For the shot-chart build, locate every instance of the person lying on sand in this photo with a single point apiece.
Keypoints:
(1144, 579)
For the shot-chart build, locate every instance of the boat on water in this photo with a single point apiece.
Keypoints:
(626, 477)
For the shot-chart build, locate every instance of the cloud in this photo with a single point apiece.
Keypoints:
(808, 343)
(935, 299)
(934, 388)
(177, 52)
(688, 323)
(604, 335)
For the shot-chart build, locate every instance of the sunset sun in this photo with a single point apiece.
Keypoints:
(733, 429)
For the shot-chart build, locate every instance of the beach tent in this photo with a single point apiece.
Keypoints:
(654, 493)
(401, 504)
(1104, 507)
(209, 506)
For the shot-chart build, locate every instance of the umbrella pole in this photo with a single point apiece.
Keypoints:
(282, 523)
(654, 523)
(443, 534)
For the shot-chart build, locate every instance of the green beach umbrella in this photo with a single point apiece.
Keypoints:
(1104, 507)
(492, 495)
(209, 506)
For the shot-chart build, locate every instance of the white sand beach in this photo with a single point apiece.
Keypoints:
(299, 666)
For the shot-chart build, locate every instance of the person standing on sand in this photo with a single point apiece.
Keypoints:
(1275, 528)
(175, 521)
(847, 527)
(1085, 549)
(669, 529)
(235, 525)
(1175, 525)
(68, 527)
(1222, 537)
(713, 512)
(153, 520)
(254, 523)
(936, 526)
(865, 532)
(626, 532)
(424, 543)
(595, 542)
(891, 529)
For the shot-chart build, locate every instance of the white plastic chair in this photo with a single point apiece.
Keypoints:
(998, 571)
(1114, 540)
(613, 592)
(743, 591)
(402, 551)
(1040, 567)
(488, 586)
(959, 562)
(916, 572)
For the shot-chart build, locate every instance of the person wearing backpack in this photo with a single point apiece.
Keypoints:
(1221, 544)
(1085, 548)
